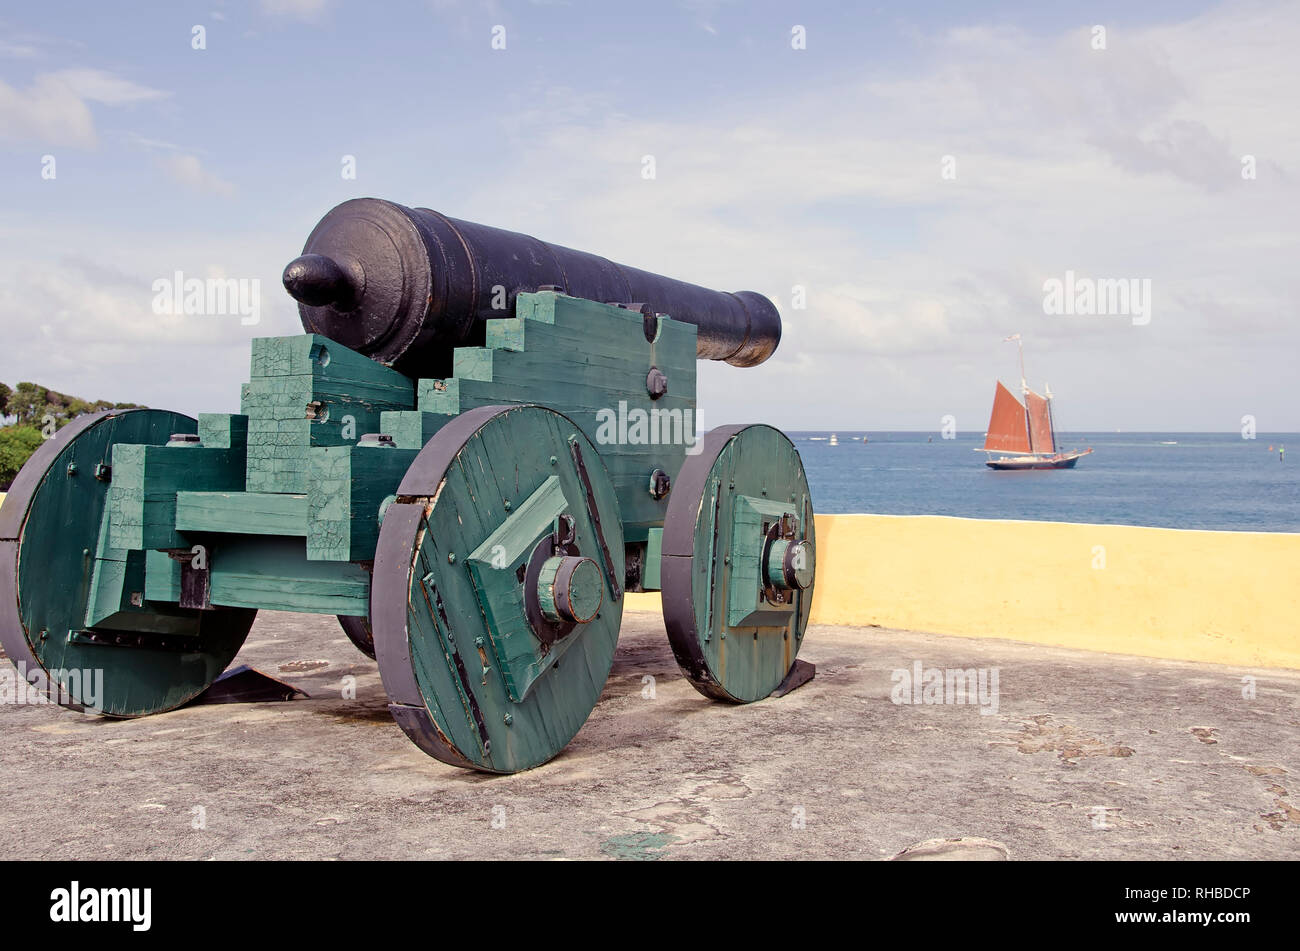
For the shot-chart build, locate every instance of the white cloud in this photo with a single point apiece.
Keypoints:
(84, 323)
(1116, 163)
(18, 50)
(97, 85)
(704, 12)
(54, 110)
(309, 10)
(189, 171)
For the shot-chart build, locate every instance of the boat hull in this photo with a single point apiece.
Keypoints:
(1063, 460)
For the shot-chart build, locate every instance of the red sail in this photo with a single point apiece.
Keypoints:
(1040, 423)
(1008, 426)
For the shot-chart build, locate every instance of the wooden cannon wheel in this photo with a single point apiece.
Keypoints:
(497, 593)
(738, 560)
(146, 657)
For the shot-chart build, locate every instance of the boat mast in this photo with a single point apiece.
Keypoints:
(1024, 387)
(1051, 417)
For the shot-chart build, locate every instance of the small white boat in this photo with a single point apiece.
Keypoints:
(835, 440)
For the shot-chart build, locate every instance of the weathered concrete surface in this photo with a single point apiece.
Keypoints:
(1184, 765)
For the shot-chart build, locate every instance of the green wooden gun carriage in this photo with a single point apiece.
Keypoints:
(479, 445)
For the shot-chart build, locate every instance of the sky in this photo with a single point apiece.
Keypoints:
(914, 175)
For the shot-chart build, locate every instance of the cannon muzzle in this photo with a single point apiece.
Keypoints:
(406, 286)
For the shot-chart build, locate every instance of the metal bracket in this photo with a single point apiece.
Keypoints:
(143, 640)
(784, 527)
(196, 583)
(244, 684)
(799, 674)
(614, 585)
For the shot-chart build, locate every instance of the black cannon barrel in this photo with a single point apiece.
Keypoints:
(407, 285)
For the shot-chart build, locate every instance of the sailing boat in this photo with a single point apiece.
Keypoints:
(1021, 433)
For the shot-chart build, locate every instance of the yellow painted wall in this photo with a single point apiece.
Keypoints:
(1220, 597)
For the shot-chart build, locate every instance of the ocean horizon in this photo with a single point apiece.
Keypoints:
(1194, 480)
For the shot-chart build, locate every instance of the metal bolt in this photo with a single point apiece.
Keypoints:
(656, 383)
(554, 460)
(507, 505)
(72, 468)
(451, 558)
(660, 485)
(509, 718)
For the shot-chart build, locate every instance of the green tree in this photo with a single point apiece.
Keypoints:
(29, 403)
(17, 443)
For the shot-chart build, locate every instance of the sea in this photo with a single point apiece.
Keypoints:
(1217, 481)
